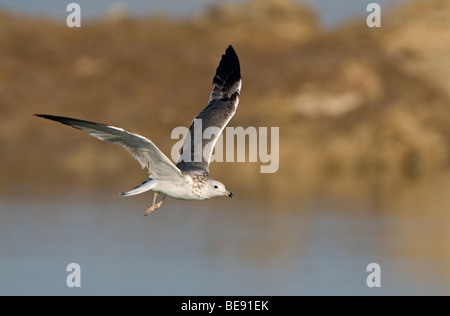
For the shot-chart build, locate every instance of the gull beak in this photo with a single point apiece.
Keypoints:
(230, 194)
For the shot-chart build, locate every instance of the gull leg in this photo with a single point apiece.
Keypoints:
(152, 207)
(157, 205)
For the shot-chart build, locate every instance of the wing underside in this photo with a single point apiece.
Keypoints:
(197, 150)
(141, 148)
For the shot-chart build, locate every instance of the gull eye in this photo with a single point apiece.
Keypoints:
(216, 187)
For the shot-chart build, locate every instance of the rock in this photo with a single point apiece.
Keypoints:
(356, 85)
(256, 21)
(417, 35)
(117, 12)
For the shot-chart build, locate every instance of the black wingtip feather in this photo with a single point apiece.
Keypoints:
(42, 115)
(61, 119)
(229, 70)
(67, 120)
(51, 117)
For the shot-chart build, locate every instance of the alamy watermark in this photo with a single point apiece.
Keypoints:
(74, 18)
(374, 278)
(207, 144)
(374, 18)
(74, 277)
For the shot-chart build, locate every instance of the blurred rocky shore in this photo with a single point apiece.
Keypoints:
(355, 106)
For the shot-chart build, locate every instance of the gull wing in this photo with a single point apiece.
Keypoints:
(196, 151)
(142, 149)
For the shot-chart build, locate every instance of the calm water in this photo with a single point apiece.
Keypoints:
(223, 247)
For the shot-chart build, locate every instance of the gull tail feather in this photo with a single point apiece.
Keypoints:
(144, 187)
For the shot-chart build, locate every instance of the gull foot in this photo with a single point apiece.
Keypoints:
(154, 206)
(150, 209)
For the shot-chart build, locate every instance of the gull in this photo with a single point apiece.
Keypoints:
(189, 179)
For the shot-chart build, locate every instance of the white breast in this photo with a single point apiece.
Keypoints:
(183, 190)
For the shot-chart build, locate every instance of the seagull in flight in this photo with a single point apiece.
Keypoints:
(189, 179)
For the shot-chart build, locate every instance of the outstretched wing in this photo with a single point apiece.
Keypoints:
(197, 150)
(141, 148)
